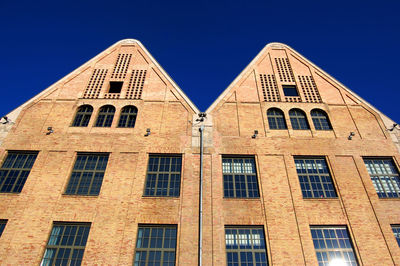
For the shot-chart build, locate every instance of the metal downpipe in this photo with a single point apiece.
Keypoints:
(200, 251)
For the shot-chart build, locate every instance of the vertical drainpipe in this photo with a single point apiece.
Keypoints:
(201, 129)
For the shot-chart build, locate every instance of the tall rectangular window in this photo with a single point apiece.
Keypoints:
(2, 226)
(384, 176)
(87, 174)
(163, 176)
(315, 179)
(240, 178)
(66, 244)
(333, 245)
(245, 246)
(15, 170)
(155, 245)
(396, 232)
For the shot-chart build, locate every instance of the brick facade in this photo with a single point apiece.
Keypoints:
(229, 125)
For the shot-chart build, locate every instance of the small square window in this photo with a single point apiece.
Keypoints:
(115, 86)
(290, 90)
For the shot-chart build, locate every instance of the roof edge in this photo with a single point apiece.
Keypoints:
(15, 112)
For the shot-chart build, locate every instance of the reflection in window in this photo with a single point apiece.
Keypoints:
(240, 178)
(245, 246)
(333, 245)
(315, 179)
(66, 244)
(384, 176)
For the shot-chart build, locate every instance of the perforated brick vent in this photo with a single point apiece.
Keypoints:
(310, 90)
(269, 88)
(121, 66)
(136, 83)
(293, 99)
(95, 83)
(284, 70)
(111, 96)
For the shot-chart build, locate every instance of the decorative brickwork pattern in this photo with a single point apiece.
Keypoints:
(121, 66)
(95, 84)
(269, 88)
(111, 95)
(284, 70)
(310, 90)
(136, 83)
(293, 99)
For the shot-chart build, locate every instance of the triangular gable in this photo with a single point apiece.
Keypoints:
(267, 70)
(95, 71)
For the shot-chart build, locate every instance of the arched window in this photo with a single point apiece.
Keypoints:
(128, 116)
(298, 119)
(276, 119)
(320, 120)
(106, 116)
(82, 116)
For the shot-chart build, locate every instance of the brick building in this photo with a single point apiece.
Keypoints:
(103, 168)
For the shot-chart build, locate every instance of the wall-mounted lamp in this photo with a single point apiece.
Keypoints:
(6, 120)
(201, 118)
(390, 129)
(255, 134)
(49, 130)
(147, 132)
(350, 137)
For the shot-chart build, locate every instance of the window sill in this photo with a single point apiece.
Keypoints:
(247, 199)
(161, 197)
(321, 199)
(79, 196)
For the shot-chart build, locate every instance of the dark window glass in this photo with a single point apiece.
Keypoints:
(396, 232)
(333, 246)
(106, 116)
(290, 90)
(66, 244)
(87, 175)
(82, 116)
(163, 176)
(315, 179)
(276, 119)
(15, 171)
(240, 178)
(128, 116)
(320, 120)
(155, 245)
(2, 226)
(298, 119)
(115, 86)
(384, 176)
(245, 246)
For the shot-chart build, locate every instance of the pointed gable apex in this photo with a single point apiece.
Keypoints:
(350, 97)
(98, 58)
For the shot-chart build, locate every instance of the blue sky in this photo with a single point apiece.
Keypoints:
(203, 45)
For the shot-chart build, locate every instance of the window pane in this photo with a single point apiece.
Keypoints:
(87, 175)
(15, 171)
(66, 244)
(384, 176)
(314, 177)
(240, 178)
(82, 116)
(245, 246)
(163, 176)
(155, 245)
(396, 232)
(2, 226)
(329, 244)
